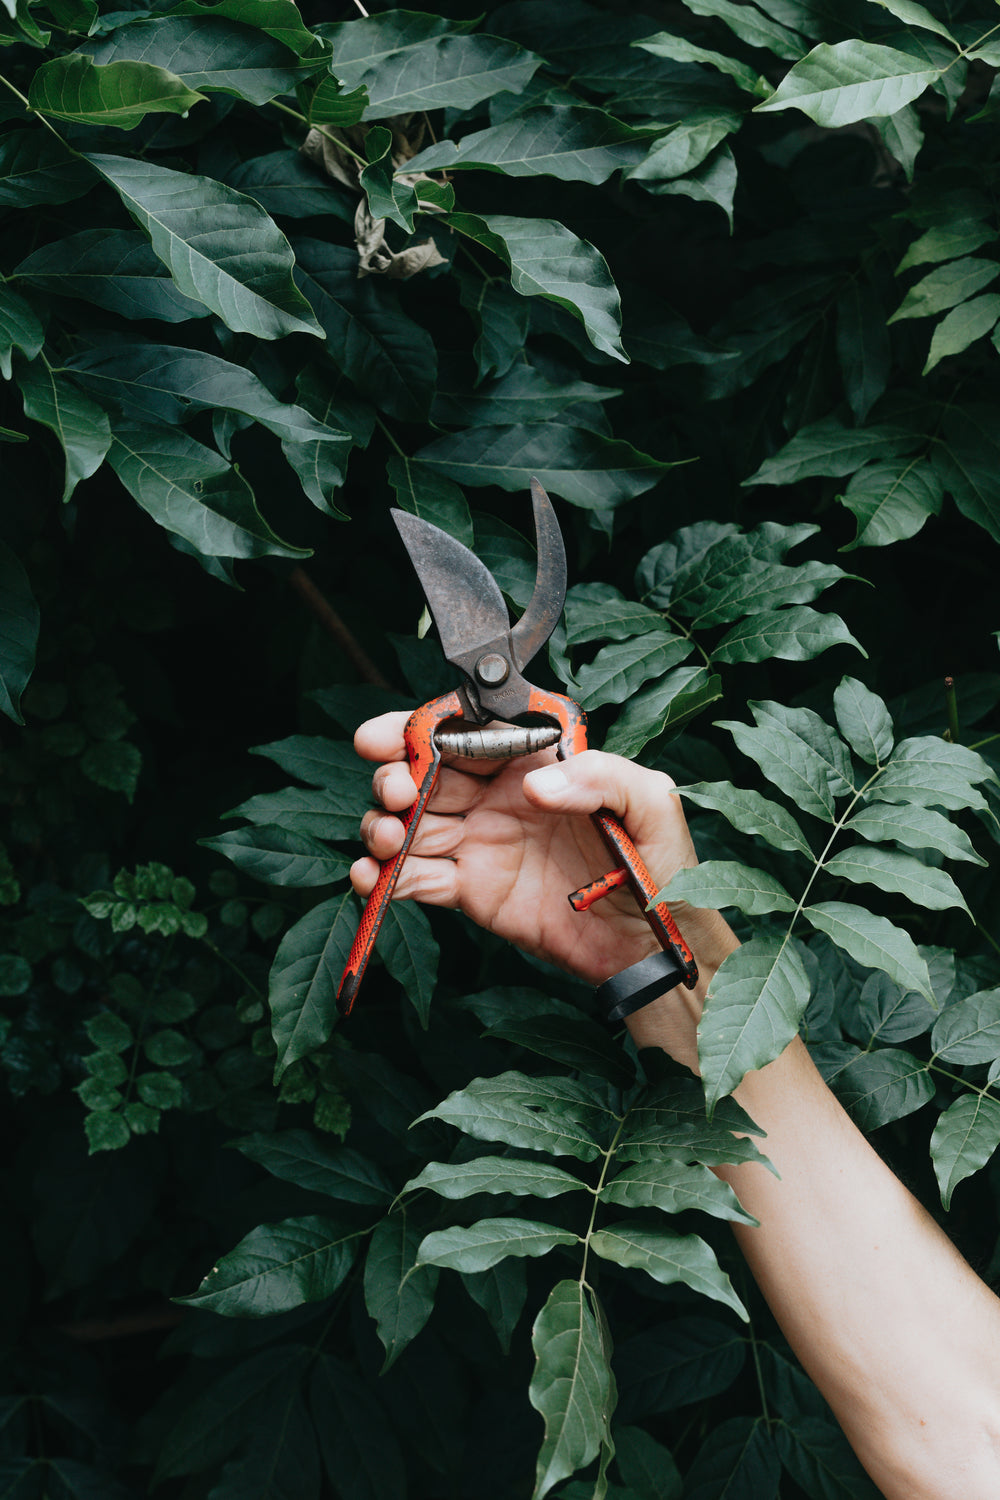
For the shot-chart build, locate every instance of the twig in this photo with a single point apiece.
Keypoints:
(361, 8)
(335, 626)
(951, 703)
(95, 1330)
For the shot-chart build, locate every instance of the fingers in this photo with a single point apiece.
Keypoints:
(434, 881)
(642, 799)
(436, 837)
(382, 738)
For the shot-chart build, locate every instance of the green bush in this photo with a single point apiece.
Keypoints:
(723, 277)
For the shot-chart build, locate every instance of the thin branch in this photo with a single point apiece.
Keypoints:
(335, 626)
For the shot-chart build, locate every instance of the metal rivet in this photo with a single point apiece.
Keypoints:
(492, 669)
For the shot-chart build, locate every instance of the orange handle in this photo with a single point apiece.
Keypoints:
(425, 762)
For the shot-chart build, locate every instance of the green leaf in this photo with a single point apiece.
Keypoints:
(324, 101)
(850, 81)
(409, 61)
(829, 448)
(169, 381)
(360, 1450)
(207, 52)
(788, 759)
(646, 1467)
(891, 501)
(501, 1292)
(751, 26)
(119, 94)
(114, 268)
(874, 942)
(749, 812)
(677, 698)
(718, 883)
(493, 1174)
(575, 143)
(479, 1246)
(889, 1014)
(324, 763)
(668, 1258)
(964, 1139)
(881, 1086)
(430, 496)
(686, 146)
(278, 857)
(946, 286)
(305, 977)
(318, 813)
(240, 268)
(399, 1294)
(679, 49)
(388, 198)
(922, 884)
(673, 1186)
(677, 1361)
(278, 18)
(966, 463)
(19, 329)
(284, 183)
(547, 260)
(753, 1010)
(903, 135)
(912, 14)
(945, 241)
(522, 395)
(210, 1427)
(81, 426)
(969, 1030)
(407, 947)
(539, 1114)
(794, 634)
(738, 1461)
(620, 669)
(19, 621)
(863, 720)
(600, 612)
(191, 491)
(38, 167)
(301, 1157)
(863, 346)
(390, 358)
(277, 1267)
(914, 827)
(962, 326)
(106, 1131)
(575, 1042)
(571, 1385)
(930, 772)
(585, 468)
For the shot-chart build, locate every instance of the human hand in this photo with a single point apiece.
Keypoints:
(506, 842)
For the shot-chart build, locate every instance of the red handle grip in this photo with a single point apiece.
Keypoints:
(425, 762)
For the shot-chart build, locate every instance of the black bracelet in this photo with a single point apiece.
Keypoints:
(639, 985)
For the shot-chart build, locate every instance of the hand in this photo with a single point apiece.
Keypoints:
(506, 842)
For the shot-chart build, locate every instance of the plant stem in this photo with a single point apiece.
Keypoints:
(608, 1158)
(336, 627)
(338, 140)
(951, 704)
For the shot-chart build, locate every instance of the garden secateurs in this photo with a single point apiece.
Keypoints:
(486, 712)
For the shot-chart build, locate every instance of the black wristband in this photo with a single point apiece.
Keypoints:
(639, 985)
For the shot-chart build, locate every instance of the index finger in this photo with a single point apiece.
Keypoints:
(381, 739)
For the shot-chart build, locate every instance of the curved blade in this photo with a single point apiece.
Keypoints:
(462, 594)
(546, 603)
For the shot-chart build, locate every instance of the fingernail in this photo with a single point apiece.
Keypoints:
(550, 781)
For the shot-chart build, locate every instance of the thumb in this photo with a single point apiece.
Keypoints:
(642, 799)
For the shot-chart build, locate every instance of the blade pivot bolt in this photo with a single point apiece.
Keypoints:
(492, 669)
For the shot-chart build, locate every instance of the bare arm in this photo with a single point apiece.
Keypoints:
(896, 1330)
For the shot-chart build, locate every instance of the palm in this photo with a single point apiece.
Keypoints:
(516, 866)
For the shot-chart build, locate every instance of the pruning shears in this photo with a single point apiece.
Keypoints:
(478, 639)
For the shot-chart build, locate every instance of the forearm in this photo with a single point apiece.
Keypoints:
(896, 1330)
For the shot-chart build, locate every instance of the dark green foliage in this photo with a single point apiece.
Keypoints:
(729, 290)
